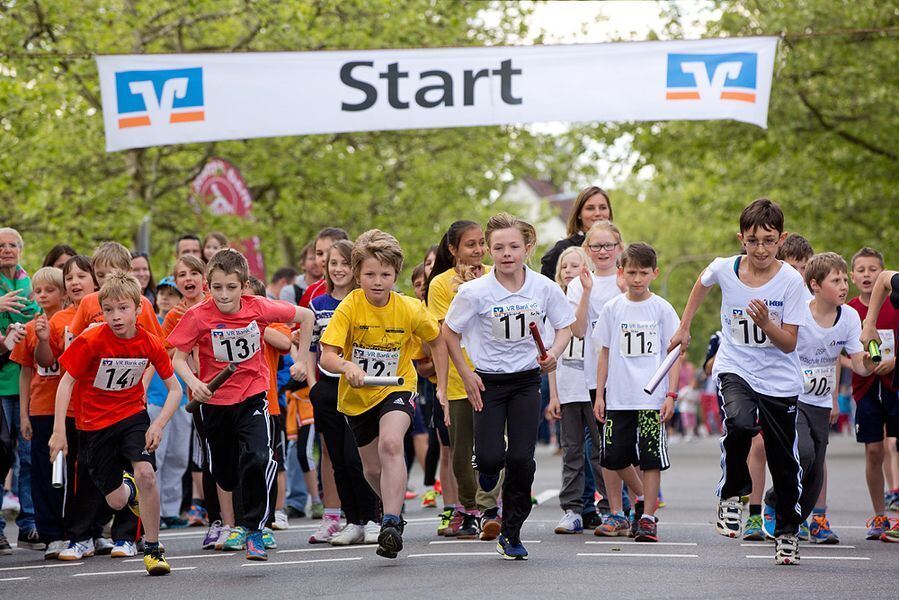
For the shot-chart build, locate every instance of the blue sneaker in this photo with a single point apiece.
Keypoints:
(769, 521)
(803, 532)
(876, 526)
(820, 531)
(256, 546)
(510, 551)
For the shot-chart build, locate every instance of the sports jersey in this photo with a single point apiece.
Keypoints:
(108, 371)
(89, 311)
(605, 288)
(231, 338)
(44, 381)
(381, 341)
(314, 291)
(61, 335)
(174, 315)
(570, 383)
(887, 322)
(495, 323)
(636, 334)
(323, 308)
(819, 349)
(272, 355)
(745, 349)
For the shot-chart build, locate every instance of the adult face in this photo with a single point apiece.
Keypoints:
(596, 208)
(10, 251)
(189, 247)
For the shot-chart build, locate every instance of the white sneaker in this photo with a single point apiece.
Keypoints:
(103, 546)
(372, 531)
(78, 550)
(54, 548)
(351, 534)
(786, 550)
(281, 523)
(123, 549)
(329, 527)
(730, 517)
(224, 532)
(11, 503)
(571, 522)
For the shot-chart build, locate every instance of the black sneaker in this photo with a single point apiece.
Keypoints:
(469, 529)
(591, 519)
(647, 530)
(5, 548)
(390, 540)
(30, 540)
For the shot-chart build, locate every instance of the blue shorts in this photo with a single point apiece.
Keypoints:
(878, 408)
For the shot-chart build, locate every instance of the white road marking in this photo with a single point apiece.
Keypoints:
(807, 557)
(329, 548)
(645, 544)
(143, 571)
(71, 564)
(546, 495)
(299, 562)
(216, 555)
(478, 542)
(804, 546)
(427, 554)
(638, 554)
(14, 578)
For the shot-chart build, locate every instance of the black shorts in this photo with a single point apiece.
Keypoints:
(878, 408)
(634, 437)
(232, 431)
(279, 440)
(112, 450)
(367, 426)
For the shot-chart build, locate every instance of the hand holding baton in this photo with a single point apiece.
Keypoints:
(371, 380)
(535, 331)
(663, 369)
(214, 384)
(874, 351)
(59, 470)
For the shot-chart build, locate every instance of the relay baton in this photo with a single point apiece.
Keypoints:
(214, 384)
(538, 340)
(874, 351)
(371, 380)
(663, 369)
(59, 468)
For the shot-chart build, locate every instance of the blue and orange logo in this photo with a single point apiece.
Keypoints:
(712, 76)
(161, 96)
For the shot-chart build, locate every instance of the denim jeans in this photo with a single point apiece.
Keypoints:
(21, 469)
(297, 495)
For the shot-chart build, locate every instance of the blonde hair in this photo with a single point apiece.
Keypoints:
(571, 250)
(603, 226)
(507, 221)
(379, 245)
(820, 265)
(120, 286)
(112, 254)
(50, 275)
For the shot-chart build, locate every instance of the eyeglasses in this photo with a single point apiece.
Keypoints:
(607, 247)
(757, 243)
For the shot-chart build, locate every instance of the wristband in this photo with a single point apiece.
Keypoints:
(672, 395)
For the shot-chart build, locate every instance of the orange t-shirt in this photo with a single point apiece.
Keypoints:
(61, 330)
(108, 371)
(89, 311)
(44, 381)
(173, 316)
(271, 359)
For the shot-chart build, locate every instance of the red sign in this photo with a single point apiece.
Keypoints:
(221, 187)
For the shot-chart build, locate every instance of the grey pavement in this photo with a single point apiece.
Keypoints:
(691, 560)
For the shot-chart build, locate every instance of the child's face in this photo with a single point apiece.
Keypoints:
(140, 268)
(429, 263)
(572, 266)
(166, 299)
(834, 289)
(78, 284)
(797, 263)
(322, 246)
(102, 271)
(865, 272)
(339, 270)
(226, 291)
(47, 296)
(212, 246)
(508, 250)
(603, 248)
(418, 284)
(470, 250)
(189, 281)
(762, 246)
(376, 279)
(638, 279)
(120, 314)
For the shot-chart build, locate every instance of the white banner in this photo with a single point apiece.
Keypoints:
(158, 99)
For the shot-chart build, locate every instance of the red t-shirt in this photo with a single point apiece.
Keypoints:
(42, 391)
(89, 311)
(108, 371)
(314, 291)
(224, 338)
(887, 319)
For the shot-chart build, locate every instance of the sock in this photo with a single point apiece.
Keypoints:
(387, 517)
(198, 502)
(451, 507)
(150, 546)
(755, 509)
(332, 513)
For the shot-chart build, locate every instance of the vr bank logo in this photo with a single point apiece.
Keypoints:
(155, 97)
(712, 76)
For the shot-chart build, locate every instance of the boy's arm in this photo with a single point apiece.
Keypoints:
(63, 396)
(682, 334)
(673, 380)
(172, 401)
(25, 374)
(331, 361)
(305, 318)
(198, 389)
(549, 364)
(783, 336)
(860, 363)
(43, 353)
(883, 288)
(276, 339)
(553, 411)
(602, 373)
(579, 327)
(438, 351)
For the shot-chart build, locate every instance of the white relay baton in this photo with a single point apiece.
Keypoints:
(371, 380)
(662, 371)
(59, 469)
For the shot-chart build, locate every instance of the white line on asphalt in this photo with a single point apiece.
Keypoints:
(299, 562)
(479, 542)
(807, 557)
(452, 554)
(127, 572)
(804, 546)
(639, 554)
(546, 495)
(645, 544)
(216, 555)
(14, 578)
(329, 548)
(71, 564)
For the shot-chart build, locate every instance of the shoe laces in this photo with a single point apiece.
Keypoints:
(881, 521)
(821, 521)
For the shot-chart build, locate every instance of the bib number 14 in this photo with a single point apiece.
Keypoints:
(116, 374)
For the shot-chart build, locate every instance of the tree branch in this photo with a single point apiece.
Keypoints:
(853, 139)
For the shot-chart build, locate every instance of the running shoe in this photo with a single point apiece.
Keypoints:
(769, 521)
(753, 531)
(446, 518)
(612, 526)
(197, 516)
(212, 535)
(892, 500)
(570, 523)
(390, 540)
(316, 510)
(510, 551)
(786, 550)
(891, 535)
(877, 526)
(349, 535)
(133, 500)
(5, 548)
(172, 523)
(455, 523)
(281, 523)
(438, 487)
(103, 546)
(591, 519)
(803, 532)
(647, 530)
(11, 505)
(123, 549)
(730, 517)
(372, 531)
(429, 499)
(633, 521)
(411, 495)
(268, 539)
(491, 525)
(237, 540)
(54, 548)
(154, 561)
(224, 532)
(255, 545)
(820, 531)
(328, 529)
(469, 528)
(78, 550)
(30, 540)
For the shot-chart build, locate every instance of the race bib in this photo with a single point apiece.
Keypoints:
(67, 338)
(512, 322)
(638, 339)
(574, 351)
(887, 343)
(379, 363)
(819, 381)
(745, 332)
(52, 371)
(235, 345)
(116, 374)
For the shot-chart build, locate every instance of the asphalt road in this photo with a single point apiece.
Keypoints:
(691, 560)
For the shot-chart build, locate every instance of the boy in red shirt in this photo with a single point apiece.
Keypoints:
(228, 328)
(104, 366)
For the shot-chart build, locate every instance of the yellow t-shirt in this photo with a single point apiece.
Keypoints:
(440, 294)
(380, 340)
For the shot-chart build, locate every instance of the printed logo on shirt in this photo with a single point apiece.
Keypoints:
(712, 77)
(159, 98)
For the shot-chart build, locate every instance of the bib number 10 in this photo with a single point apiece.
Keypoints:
(745, 332)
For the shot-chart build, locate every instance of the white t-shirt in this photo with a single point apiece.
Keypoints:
(745, 349)
(819, 349)
(570, 383)
(495, 323)
(637, 335)
(605, 288)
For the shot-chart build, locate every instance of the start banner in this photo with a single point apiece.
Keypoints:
(160, 99)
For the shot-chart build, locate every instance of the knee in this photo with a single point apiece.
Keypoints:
(144, 475)
(874, 452)
(390, 446)
(489, 463)
(742, 424)
(371, 472)
(255, 460)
